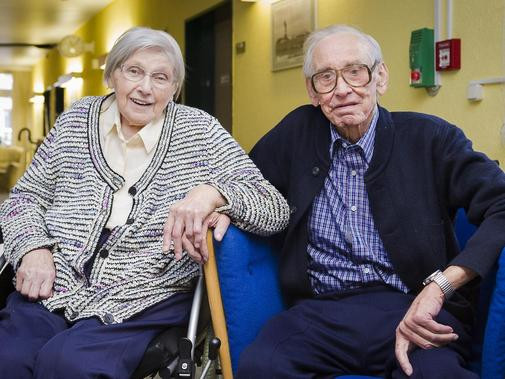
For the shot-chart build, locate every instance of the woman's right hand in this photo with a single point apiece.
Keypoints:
(35, 276)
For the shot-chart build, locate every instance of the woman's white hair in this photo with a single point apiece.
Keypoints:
(315, 37)
(138, 38)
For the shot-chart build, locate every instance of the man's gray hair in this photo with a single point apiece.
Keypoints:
(315, 37)
(138, 38)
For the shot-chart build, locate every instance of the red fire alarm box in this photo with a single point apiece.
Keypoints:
(448, 54)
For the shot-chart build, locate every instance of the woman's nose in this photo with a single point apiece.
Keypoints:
(146, 83)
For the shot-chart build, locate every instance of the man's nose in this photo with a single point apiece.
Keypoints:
(341, 87)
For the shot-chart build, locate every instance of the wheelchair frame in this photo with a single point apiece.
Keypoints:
(183, 365)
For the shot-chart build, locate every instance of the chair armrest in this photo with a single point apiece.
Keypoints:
(493, 350)
(216, 308)
(247, 268)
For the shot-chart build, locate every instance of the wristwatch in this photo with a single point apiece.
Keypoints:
(444, 284)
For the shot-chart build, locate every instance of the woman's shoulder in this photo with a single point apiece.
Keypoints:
(82, 106)
(86, 102)
(185, 111)
(76, 119)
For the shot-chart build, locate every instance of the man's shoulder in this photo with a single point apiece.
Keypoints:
(302, 114)
(301, 128)
(299, 124)
(412, 118)
(421, 124)
(303, 119)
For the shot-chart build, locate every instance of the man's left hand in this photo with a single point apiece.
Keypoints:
(418, 327)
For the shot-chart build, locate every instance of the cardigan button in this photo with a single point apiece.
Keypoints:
(315, 171)
(108, 318)
(130, 221)
(132, 191)
(104, 253)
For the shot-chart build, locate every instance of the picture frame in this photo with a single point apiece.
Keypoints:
(292, 22)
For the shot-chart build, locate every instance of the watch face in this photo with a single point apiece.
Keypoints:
(430, 278)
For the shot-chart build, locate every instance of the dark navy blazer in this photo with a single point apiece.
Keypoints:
(423, 169)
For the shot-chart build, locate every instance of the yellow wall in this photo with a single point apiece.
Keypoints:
(20, 118)
(261, 97)
(108, 25)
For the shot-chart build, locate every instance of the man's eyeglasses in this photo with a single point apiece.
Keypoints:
(136, 74)
(356, 75)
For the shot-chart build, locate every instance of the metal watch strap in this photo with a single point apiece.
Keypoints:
(444, 284)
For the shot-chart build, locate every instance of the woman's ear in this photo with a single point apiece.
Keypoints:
(175, 95)
(109, 82)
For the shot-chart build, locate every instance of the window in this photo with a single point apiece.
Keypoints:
(5, 120)
(6, 82)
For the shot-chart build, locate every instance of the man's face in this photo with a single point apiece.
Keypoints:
(347, 107)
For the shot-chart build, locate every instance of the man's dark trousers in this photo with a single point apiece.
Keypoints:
(348, 334)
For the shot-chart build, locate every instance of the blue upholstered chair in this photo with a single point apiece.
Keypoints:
(250, 293)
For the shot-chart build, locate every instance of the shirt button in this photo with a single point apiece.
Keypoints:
(353, 172)
(366, 270)
(132, 191)
(344, 144)
(315, 171)
(348, 237)
(354, 208)
(108, 318)
(104, 253)
(292, 209)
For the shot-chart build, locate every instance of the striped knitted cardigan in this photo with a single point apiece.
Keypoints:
(65, 197)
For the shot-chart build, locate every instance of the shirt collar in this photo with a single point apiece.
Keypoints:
(149, 134)
(366, 142)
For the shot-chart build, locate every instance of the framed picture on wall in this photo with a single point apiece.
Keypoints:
(292, 21)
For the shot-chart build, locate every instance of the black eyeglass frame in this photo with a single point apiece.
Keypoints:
(338, 74)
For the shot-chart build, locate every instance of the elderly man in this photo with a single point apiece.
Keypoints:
(369, 261)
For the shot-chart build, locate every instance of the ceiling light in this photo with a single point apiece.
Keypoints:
(65, 80)
(37, 98)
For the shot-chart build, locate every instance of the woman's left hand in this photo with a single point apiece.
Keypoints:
(217, 221)
(188, 220)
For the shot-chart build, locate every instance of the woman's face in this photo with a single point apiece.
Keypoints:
(144, 85)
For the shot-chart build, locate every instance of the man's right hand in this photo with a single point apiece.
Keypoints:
(35, 276)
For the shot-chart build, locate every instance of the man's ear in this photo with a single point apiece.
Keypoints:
(314, 99)
(382, 78)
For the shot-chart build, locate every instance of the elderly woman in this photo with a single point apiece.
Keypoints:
(102, 227)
